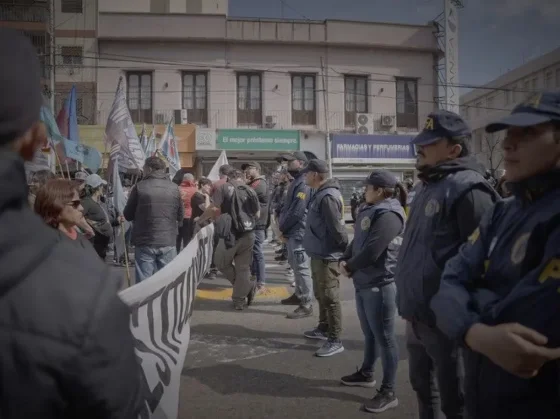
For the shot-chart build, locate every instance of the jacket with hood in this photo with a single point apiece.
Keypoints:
(325, 232)
(294, 210)
(260, 187)
(67, 349)
(188, 189)
(445, 208)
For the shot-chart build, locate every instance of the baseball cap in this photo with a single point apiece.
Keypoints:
(537, 109)
(441, 124)
(381, 179)
(296, 155)
(95, 181)
(81, 176)
(316, 165)
(254, 164)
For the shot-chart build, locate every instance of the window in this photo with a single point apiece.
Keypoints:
(548, 80)
(249, 99)
(195, 95)
(139, 96)
(72, 6)
(303, 100)
(407, 103)
(355, 98)
(72, 56)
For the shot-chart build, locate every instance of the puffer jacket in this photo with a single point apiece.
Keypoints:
(66, 345)
(188, 189)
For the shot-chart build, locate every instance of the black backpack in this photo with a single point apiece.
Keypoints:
(244, 208)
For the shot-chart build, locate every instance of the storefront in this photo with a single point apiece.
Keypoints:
(355, 156)
(243, 145)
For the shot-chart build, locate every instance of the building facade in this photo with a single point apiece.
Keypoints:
(497, 99)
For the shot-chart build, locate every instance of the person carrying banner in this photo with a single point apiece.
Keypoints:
(65, 338)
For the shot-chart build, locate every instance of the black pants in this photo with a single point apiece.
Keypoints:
(185, 233)
(100, 244)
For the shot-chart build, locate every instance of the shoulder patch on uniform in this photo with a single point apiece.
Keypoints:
(474, 236)
(431, 208)
(365, 223)
(301, 195)
(519, 249)
(551, 271)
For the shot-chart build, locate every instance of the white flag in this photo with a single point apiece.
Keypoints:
(168, 150)
(214, 174)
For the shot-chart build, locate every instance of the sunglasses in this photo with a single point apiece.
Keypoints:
(75, 204)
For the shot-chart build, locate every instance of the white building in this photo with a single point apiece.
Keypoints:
(497, 98)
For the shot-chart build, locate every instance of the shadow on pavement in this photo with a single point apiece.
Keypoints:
(226, 306)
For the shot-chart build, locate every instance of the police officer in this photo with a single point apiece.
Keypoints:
(500, 296)
(325, 241)
(446, 208)
(292, 227)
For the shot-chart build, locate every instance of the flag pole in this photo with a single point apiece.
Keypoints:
(125, 255)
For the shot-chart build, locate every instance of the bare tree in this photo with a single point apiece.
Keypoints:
(493, 153)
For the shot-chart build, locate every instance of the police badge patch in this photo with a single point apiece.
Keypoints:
(519, 249)
(432, 208)
(365, 223)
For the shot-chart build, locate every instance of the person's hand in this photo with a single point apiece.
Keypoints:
(513, 347)
(122, 220)
(344, 267)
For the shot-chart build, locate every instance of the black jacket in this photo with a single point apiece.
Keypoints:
(67, 350)
(261, 188)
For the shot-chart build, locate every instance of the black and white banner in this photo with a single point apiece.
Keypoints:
(161, 309)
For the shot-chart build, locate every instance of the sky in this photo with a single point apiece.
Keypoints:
(494, 35)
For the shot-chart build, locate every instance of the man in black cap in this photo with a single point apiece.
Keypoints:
(67, 349)
(500, 296)
(446, 207)
(292, 227)
(325, 241)
(258, 182)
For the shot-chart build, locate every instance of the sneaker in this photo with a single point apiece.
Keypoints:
(292, 300)
(315, 334)
(251, 295)
(289, 272)
(293, 284)
(211, 275)
(358, 379)
(330, 347)
(300, 313)
(239, 305)
(382, 401)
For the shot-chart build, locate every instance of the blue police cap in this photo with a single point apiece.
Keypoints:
(538, 109)
(381, 179)
(441, 124)
(317, 165)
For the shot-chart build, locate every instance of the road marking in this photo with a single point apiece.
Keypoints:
(225, 293)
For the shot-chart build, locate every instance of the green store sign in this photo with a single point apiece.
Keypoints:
(257, 139)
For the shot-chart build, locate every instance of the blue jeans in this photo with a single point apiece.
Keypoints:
(258, 265)
(149, 260)
(299, 262)
(377, 308)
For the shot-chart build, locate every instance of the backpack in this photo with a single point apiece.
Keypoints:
(244, 208)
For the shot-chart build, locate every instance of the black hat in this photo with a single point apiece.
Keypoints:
(538, 109)
(441, 124)
(296, 155)
(254, 164)
(20, 84)
(381, 179)
(316, 165)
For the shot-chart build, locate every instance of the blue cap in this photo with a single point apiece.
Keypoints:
(316, 165)
(538, 109)
(381, 179)
(441, 124)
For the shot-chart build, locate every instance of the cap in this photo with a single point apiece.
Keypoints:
(95, 181)
(381, 179)
(296, 155)
(441, 124)
(20, 84)
(316, 165)
(254, 164)
(538, 109)
(81, 176)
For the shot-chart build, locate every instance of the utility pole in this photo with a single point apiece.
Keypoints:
(326, 112)
(52, 55)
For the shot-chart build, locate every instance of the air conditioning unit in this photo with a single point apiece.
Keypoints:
(270, 121)
(160, 118)
(387, 120)
(364, 123)
(180, 116)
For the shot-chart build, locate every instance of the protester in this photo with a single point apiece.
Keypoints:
(156, 208)
(80, 178)
(200, 201)
(325, 241)
(258, 182)
(37, 180)
(188, 189)
(446, 208)
(370, 261)
(67, 349)
(499, 296)
(292, 227)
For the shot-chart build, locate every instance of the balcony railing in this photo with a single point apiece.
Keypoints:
(19, 13)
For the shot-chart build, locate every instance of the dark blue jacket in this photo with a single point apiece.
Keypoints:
(325, 233)
(294, 210)
(435, 231)
(509, 272)
(382, 270)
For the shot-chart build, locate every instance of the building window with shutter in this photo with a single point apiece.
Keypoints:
(407, 103)
(72, 55)
(72, 6)
(303, 100)
(195, 97)
(139, 96)
(249, 99)
(355, 98)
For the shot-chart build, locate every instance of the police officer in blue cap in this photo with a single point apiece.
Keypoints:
(500, 296)
(445, 208)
